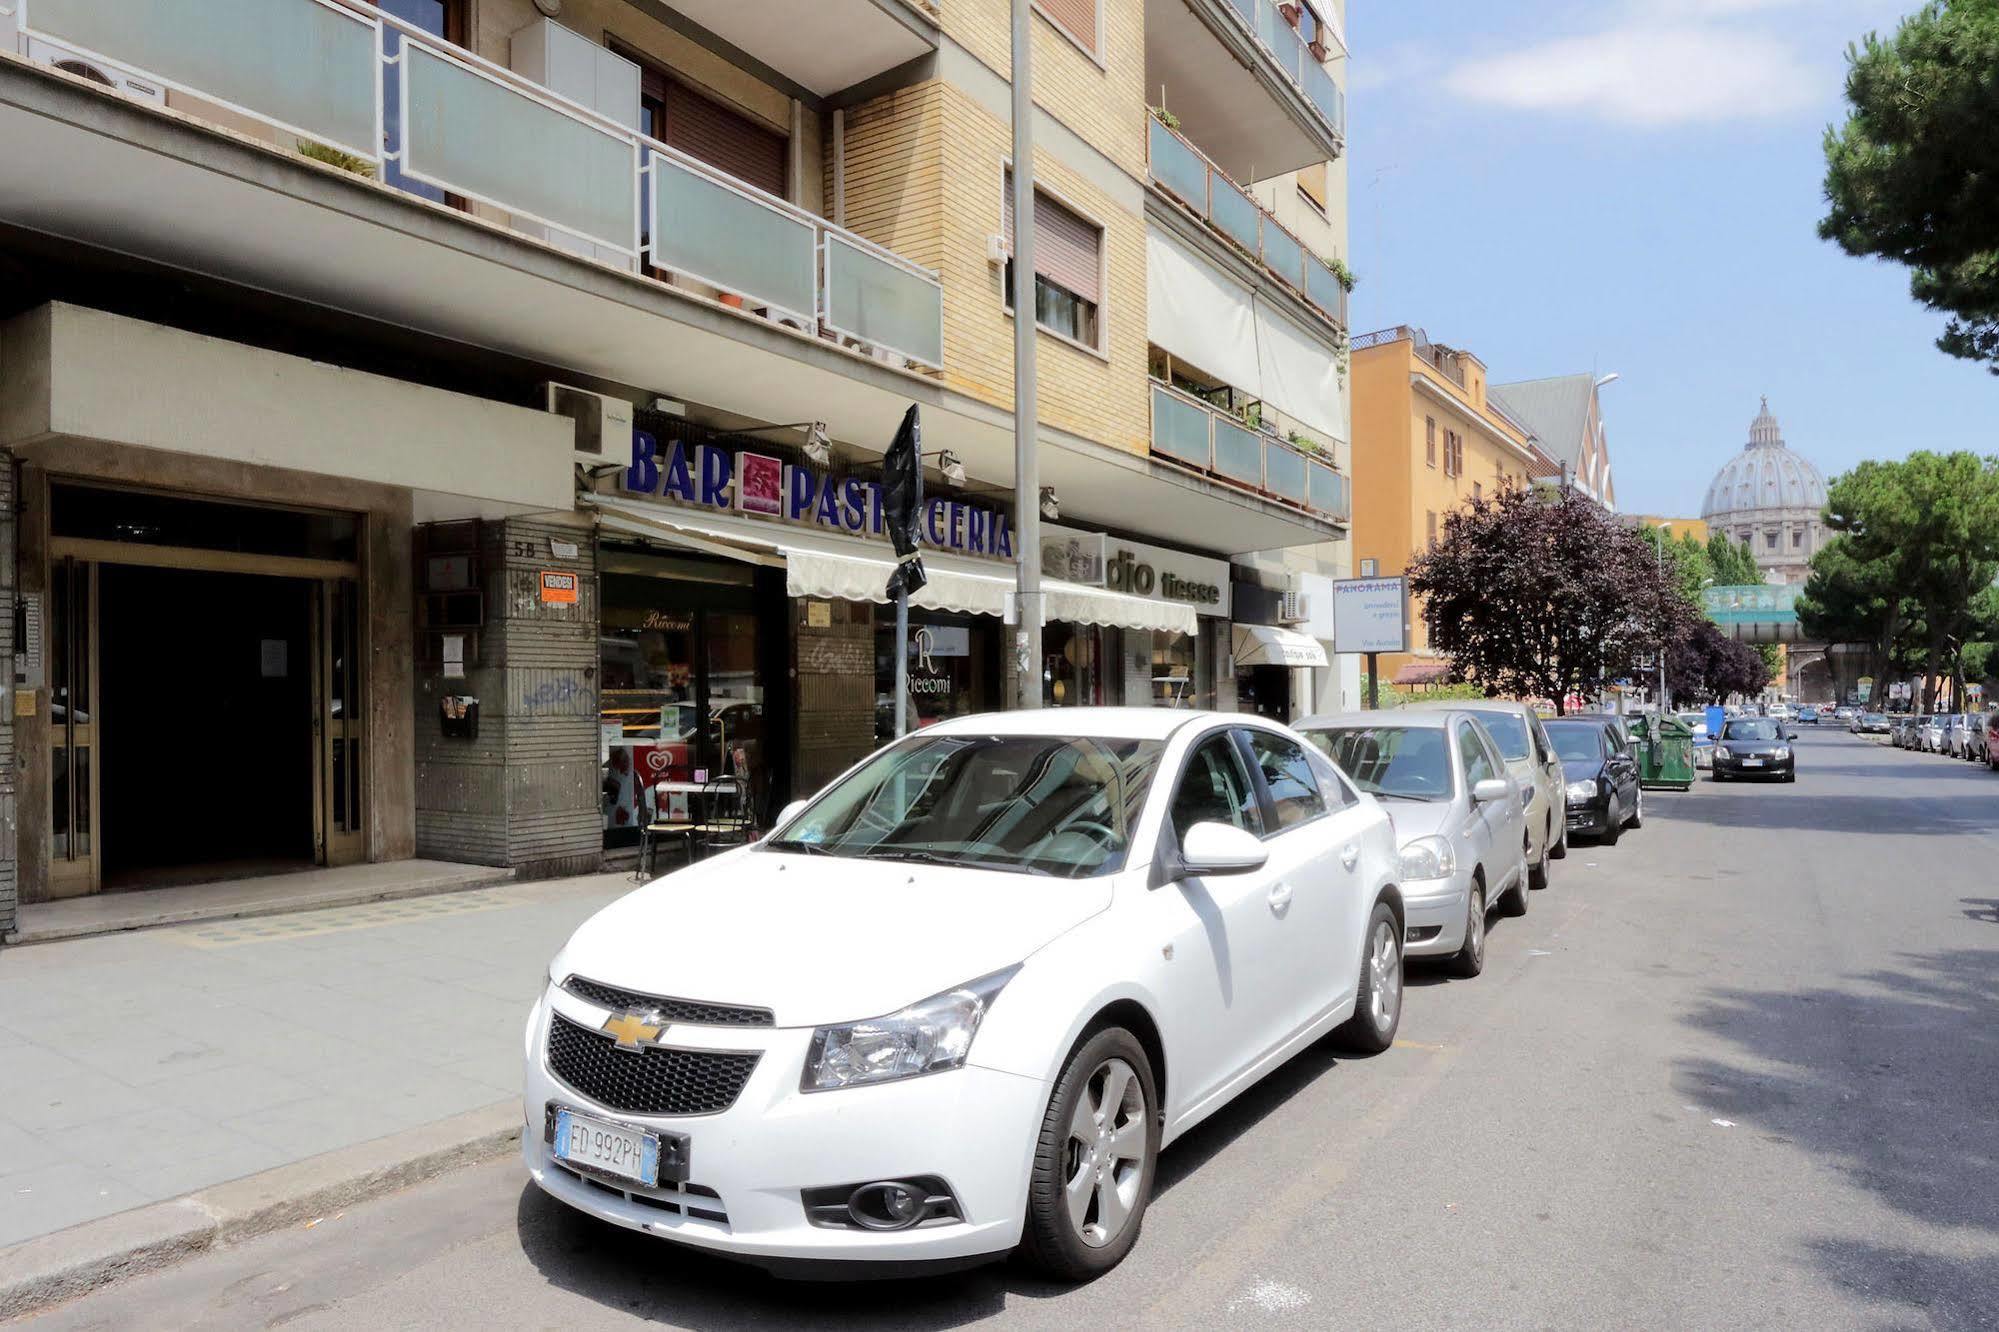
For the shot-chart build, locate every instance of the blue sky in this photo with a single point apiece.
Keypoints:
(1562, 186)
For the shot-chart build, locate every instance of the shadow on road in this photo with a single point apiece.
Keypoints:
(1802, 809)
(1890, 1079)
(647, 1277)
(1981, 908)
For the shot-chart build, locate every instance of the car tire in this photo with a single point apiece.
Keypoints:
(1377, 1006)
(1515, 902)
(1637, 819)
(1561, 851)
(1056, 1240)
(1537, 873)
(1469, 960)
(1613, 823)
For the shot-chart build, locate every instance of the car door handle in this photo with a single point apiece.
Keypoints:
(1280, 895)
(1349, 855)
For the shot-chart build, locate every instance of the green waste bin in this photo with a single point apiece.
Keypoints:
(1665, 752)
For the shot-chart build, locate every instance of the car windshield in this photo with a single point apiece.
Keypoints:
(1030, 804)
(1872, 717)
(1752, 729)
(1508, 731)
(1405, 762)
(1577, 742)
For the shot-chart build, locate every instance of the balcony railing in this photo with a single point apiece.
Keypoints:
(354, 78)
(1185, 172)
(1266, 22)
(1188, 431)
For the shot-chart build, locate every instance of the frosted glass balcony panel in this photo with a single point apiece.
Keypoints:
(303, 64)
(1178, 167)
(1325, 290)
(1179, 428)
(1234, 212)
(1283, 255)
(1325, 94)
(883, 303)
(475, 136)
(716, 234)
(1280, 37)
(1284, 472)
(1238, 452)
(1331, 493)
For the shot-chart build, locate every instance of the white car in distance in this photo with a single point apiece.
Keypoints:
(958, 1002)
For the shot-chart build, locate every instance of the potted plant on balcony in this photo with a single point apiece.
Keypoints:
(334, 157)
(1166, 118)
(1341, 273)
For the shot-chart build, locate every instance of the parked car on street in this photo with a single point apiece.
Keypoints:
(1460, 820)
(1703, 742)
(1975, 746)
(1808, 715)
(1049, 910)
(1870, 723)
(1531, 761)
(1603, 794)
(1755, 747)
(1934, 730)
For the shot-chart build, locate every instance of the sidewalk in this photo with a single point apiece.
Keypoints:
(139, 1067)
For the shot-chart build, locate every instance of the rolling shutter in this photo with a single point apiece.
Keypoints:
(1078, 18)
(725, 139)
(1067, 248)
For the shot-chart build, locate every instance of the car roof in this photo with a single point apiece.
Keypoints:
(1425, 720)
(1471, 705)
(1098, 723)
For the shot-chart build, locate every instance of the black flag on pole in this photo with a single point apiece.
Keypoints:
(902, 502)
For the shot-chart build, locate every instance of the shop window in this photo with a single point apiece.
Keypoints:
(1068, 266)
(1072, 657)
(1182, 674)
(952, 668)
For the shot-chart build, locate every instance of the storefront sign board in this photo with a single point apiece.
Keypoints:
(1136, 568)
(1370, 615)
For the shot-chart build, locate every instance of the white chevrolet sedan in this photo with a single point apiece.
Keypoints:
(958, 1002)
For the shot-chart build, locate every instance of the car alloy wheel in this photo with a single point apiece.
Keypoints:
(1093, 1159)
(1384, 974)
(1106, 1158)
(1469, 960)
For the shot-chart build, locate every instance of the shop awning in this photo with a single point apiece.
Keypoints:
(834, 568)
(1267, 645)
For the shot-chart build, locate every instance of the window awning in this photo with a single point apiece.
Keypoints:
(834, 568)
(1267, 645)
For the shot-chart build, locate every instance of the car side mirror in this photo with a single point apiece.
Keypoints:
(1221, 848)
(1790, 735)
(1491, 789)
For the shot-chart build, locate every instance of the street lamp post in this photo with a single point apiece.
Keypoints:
(1026, 466)
(1659, 549)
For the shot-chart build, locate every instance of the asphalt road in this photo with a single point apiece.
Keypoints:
(1741, 1070)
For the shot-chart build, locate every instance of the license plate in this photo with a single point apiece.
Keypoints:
(1752, 763)
(611, 1149)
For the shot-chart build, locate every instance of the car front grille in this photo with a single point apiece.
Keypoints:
(673, 1010)
(653, 1080)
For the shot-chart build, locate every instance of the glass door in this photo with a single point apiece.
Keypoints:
(74, 866)
(338, 722)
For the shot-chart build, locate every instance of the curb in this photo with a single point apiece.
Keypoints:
(51, 1269)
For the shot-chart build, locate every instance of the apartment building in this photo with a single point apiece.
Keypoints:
(433, 426)
(1565, 412)
(1429, 438)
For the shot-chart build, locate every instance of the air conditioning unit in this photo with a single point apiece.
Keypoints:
(603, 423)
(97, 71)
(1294, 608)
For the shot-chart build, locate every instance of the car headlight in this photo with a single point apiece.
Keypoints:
(1781, 752)
(1429, 858)
(1581, 791)
(926, 1037)
(1721, 751)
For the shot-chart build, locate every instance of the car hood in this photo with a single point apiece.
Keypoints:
(1754, 748)
(820, 939)
(1420, 818)
(1581, 770)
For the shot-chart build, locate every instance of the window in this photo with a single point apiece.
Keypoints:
(1477, 492)
(1068, 263)
(1312, 184)
(1288, 775)
(439, 18)
(1770, 541)
(1430, 519)
(702, 127)
(1076, 18)
(1216, 789)
(1797, 540)
(1478, 762)
(1409, 762)
(1370, 568)
(1430, 441)
(1454, 453)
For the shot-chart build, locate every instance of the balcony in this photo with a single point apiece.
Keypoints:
(1244, 84)
(823, 46)
(1184, 173)
(364, 83)
(1222, 445)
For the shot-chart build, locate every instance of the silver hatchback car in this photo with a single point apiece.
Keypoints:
(1523, 742)
(1460, 820)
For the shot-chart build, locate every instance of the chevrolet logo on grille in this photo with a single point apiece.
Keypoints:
(633, 1031)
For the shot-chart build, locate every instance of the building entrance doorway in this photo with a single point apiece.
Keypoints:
(205, 704)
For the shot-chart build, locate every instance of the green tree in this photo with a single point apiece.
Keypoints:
(1921, 544)
(1913, 175)
(1730, 562)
